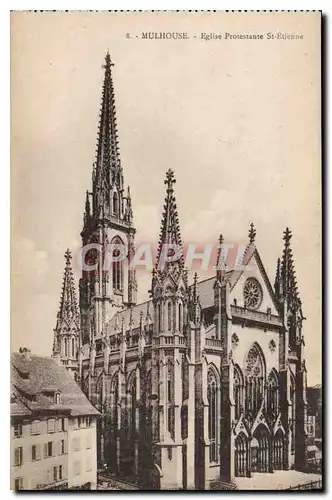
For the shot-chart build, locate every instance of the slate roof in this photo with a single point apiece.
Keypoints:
(34, 382)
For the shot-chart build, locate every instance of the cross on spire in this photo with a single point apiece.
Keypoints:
(170, 179)
(287, 236)
(252, 233)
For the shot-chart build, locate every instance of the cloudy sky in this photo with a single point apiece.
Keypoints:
(237, 120)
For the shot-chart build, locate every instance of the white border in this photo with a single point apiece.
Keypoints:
(325, 6)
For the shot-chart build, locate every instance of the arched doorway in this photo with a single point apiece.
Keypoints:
(278, 455)
(241, 455)
(260, 447)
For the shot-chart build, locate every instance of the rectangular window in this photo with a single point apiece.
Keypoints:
(51, 425)
(60, 472)
(55, 474)
(63, 424)
(34, 452)
(35, 427)
(18, 456)
(62, 447)
(19, 483)
(48, 449)
(17, 429)
(88, 421)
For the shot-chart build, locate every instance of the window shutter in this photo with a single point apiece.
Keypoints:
(66, 446)
(53, 449)
(38, 457)
(45, 450)
(66, 424)
(16, 456)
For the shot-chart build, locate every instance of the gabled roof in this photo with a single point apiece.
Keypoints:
(45, 376)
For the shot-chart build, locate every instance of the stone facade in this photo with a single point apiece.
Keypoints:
(204, 381)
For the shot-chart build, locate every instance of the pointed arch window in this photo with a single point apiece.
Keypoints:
(148, 409)
(159, 318)
(254, 381)
(115, 399)
(117, 266)
(115, 203)
(238, 392)
(169, 316)
(170, 398)
(272, 393)
(213, 390)
(180, 316)
(293, 411)
(132, 404)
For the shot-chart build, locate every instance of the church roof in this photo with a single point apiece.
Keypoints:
(36, 379)
(131, 317)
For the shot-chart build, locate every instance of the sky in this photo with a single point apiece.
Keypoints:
(237, 120)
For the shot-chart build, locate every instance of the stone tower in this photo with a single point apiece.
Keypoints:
(107, 284)
(292, 357)
(170, 296)
(67, 333)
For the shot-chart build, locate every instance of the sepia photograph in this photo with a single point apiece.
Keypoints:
(166, 251)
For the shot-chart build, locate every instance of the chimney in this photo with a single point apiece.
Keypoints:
(26, 353)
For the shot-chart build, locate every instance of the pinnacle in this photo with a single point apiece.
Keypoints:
(252, 233)
(170, 226)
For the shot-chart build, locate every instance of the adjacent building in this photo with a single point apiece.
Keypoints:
(53, 427)
(204, 381)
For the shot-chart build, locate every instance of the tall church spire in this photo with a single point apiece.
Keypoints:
(170, 226)
(108, 221)
(68, 310)
(67, 330)
(108, 173)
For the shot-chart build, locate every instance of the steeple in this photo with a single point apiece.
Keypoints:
(108, 220)
(67, 330)
(68, 310)
(170, 228)
(107, 173)
(289, 289)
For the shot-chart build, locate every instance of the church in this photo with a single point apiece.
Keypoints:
(205, 381)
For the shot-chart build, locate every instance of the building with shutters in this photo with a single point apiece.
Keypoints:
(204, 381)
(53, 427)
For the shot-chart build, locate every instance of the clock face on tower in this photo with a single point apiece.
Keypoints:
(253, 293)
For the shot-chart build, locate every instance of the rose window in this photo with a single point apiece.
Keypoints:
(253, 294)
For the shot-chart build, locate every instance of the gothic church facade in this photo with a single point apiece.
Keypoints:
(204, 381)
